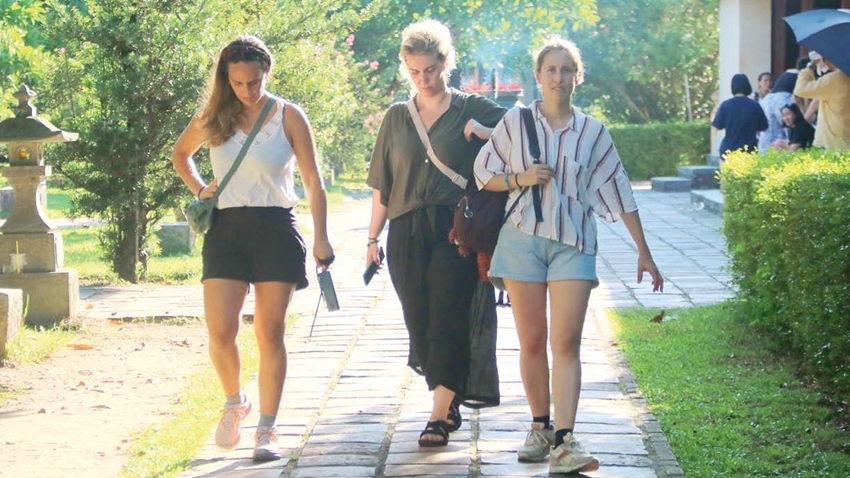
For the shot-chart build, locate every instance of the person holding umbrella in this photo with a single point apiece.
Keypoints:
(832, 91)
(827, 32)
(580, 176)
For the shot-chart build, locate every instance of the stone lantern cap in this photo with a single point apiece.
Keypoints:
(26, 126)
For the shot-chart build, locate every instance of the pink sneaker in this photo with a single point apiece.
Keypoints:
(229, 430)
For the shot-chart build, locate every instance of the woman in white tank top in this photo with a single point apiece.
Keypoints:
(254, 237)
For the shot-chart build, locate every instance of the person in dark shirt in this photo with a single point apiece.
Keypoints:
(433, 281)
(741, 118)
(800, 132)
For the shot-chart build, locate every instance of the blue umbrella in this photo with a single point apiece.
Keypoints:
(826, 31)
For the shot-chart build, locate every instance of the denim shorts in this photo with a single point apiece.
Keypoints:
(255, 244)
(524, 257)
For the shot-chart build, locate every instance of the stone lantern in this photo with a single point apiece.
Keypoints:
(31, 252)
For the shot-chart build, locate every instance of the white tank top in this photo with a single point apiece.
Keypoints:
(266, 176)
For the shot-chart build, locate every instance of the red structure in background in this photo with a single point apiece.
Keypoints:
(506, 93)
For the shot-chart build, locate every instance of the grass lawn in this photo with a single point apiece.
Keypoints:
(83, 252)
(166, 449)
(726, 404)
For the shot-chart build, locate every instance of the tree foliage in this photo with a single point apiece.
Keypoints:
(128, 75)
(491, 34)
(21, 54)
(640, 53)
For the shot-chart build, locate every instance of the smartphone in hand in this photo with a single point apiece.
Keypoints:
(326, 285)
(373, 267)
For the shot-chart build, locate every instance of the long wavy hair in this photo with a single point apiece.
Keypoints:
(221, 107)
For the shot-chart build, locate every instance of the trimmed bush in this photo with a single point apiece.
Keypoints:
(786, 223)
(658, 149)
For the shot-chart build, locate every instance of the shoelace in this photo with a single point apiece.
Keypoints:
(536, 438)
(270, 433)
(231, 416)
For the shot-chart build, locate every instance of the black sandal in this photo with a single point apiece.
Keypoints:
(438, 427)
(455, 419)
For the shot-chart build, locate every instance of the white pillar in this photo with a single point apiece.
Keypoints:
(745, 41)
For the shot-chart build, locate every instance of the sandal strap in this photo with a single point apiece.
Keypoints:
(455, 416)
(437, 427)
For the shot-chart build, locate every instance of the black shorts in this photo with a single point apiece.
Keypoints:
(255, 244)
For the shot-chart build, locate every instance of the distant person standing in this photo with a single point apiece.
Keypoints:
(832, 90)
(772, 104)
(763, 85)
(741, 118)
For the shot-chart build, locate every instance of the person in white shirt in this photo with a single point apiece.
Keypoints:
(580, 175)
(254, 237)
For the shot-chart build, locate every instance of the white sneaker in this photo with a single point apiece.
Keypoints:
(570, 457)
(266, 447)
(229, 430)
(537, 445)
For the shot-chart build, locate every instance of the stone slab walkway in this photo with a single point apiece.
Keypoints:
(351, 408)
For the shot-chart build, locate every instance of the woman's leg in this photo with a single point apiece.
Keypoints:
(528, 303)
(271, 304)
(569, 299)
(223, 299)
(272, 301)
(407, 262)
(451, 284)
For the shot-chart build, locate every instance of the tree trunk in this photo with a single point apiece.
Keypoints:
(125, 258)
(128, 248)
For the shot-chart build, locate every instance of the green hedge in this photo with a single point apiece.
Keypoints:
(786, 223)
(658, 149)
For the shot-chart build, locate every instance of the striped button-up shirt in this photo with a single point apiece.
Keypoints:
(589, 176)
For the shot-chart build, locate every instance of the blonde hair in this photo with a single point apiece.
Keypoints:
(428, 37)
(221, 108)
(558, 43)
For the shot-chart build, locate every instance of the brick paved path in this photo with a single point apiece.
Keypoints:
(351, 408)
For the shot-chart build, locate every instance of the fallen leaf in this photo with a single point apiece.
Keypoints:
(43, 410)
(659, 317)
(89, 306)
(140, 347)
(80, 346)
(101, 407)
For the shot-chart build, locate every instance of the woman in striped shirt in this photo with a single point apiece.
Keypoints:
(579, 175)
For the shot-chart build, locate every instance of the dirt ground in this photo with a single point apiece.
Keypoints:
(74, 414)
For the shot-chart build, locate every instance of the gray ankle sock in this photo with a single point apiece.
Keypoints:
(266, 421)
(235, 399)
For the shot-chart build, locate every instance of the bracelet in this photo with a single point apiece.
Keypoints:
(200, 191)
(373, 241)
(516, 180)
(508, 181)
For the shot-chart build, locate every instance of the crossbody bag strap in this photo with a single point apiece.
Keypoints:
(423, 136)
(242, 152)
(534, 149)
